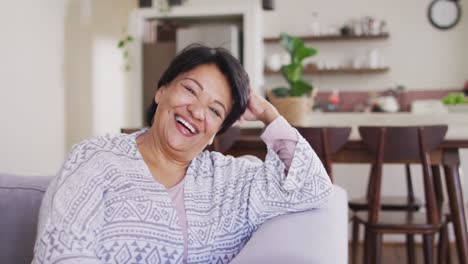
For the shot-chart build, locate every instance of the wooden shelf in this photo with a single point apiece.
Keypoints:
(337, 71)
(332, 38)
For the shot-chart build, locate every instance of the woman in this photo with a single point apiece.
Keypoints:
(156, 197)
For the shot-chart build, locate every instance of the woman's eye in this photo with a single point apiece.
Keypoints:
(216, 112)
(190, 90)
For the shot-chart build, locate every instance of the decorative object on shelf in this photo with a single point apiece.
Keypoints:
(163, 6)
(315, 25)
(145, 3)
(444, 14)
(123, 44)
(268, 5)
(387, 103)
(346, 30)
(374, 58)
(369, 26)
(176, 2)
(333, 101)
(296, 101)
(273, 62)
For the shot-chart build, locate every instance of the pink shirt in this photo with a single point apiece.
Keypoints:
(278, 135)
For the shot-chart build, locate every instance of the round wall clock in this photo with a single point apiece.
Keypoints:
(444, 14)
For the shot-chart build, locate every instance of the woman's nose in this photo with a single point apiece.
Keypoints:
(197, 110)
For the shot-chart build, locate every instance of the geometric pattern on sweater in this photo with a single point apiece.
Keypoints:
(105, 207)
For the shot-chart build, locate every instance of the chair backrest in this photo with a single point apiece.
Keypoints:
(129, 130)
(393, 144)
(401, 143)
(222, 143)
(326, 141)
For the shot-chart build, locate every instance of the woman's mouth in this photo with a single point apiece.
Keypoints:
(185, 127)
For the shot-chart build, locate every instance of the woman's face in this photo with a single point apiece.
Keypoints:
(191, 109)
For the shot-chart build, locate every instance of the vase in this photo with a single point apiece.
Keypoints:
(296, 110)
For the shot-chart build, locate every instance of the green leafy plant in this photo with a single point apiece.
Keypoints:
(123, 44)
(455, 98)
(293, 72)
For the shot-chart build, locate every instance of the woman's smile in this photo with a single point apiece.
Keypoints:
(185, 127)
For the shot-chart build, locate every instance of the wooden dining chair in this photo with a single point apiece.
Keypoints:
(400, 145)
(224, 142)
(129, 130)
(388, 203)
(221, 143)
(326, 141)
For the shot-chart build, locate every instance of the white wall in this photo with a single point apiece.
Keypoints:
(31, 86)
(419, 55)
(95, 81)
(57, 58)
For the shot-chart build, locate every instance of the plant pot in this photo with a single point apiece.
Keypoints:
(295, 110)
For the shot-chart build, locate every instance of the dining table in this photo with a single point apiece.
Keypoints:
(447, 156)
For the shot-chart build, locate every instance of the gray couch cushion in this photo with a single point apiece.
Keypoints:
(20, 199)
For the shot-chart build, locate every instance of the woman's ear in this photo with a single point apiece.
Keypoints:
(157, 96)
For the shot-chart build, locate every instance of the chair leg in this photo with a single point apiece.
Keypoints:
(372, 247)
(448, 258)
(377, 248)
(367, 256)
(355, 239)
(428, 246)
(410, 249)
(442, 248)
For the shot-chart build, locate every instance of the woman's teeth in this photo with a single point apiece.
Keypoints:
(186, 124)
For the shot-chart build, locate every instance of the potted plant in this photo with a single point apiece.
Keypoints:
(294, 102)
(123, 44)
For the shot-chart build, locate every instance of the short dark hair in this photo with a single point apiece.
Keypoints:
(196, 55)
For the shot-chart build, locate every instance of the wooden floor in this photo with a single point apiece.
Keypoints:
(395, 253)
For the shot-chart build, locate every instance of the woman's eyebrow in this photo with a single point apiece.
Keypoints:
(195, 81)
(221, 104)
(201, 87)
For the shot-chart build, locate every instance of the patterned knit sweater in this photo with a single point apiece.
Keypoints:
(105, 207)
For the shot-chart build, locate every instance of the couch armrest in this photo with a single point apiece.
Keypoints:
(315, 236)
(20, 200)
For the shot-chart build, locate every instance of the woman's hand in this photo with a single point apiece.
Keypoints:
(259, 108)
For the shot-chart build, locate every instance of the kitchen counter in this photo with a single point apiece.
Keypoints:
(457, 122)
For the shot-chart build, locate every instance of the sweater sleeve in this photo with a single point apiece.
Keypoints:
(275, 189)
(71, 213)
(282, 139)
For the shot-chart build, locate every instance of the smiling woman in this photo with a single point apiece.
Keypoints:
(232, 71)
(156, 197)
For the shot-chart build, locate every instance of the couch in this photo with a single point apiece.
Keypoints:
(315, 236)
